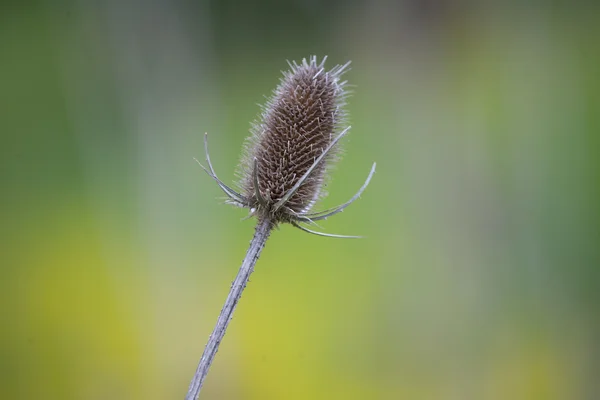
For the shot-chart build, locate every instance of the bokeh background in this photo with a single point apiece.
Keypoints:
(479, 277)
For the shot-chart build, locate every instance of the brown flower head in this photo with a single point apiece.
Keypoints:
(292, 146)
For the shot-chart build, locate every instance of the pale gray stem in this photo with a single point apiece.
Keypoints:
(263, 229)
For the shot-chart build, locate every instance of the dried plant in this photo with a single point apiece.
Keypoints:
(283, 171)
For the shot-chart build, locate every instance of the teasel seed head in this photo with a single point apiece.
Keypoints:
(292, 146)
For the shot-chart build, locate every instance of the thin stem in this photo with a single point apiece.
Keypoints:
(263, 229)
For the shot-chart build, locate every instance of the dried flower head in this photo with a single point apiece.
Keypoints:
(292, 146)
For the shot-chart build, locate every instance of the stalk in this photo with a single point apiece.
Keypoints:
(261, 234)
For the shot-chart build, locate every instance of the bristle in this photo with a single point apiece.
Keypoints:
(298, 123)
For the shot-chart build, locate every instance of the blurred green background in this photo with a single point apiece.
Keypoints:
(479, 277)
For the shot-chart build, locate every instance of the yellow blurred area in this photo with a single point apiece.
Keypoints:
(479, 274)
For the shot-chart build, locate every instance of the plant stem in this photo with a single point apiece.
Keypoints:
(263, 229)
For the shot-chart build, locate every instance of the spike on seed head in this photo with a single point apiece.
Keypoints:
(297, 125)
(291, 147)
